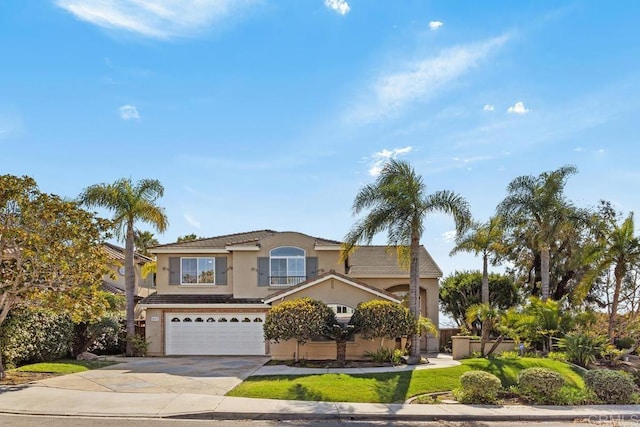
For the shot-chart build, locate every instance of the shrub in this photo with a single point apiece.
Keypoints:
(610, 386)
(625, 343)
(541, 385)
(510, 355)
(35, 335)
(478, 387)
(583, 348)
(557, 355)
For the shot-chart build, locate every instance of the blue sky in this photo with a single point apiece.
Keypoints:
(272, 114)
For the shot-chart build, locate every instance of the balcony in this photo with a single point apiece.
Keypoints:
(285, 281)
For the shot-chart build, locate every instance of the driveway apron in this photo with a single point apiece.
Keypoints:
(207, 375)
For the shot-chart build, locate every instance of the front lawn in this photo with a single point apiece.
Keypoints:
(391, 387)
(40, 371)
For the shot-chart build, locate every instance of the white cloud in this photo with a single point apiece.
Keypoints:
(191, 221)
(488, 107)
(449, 236)
(162, 19)
(422, 79)
(129, 112)
(382, 156)
(435, 25)
(340, 6)
(518, 108)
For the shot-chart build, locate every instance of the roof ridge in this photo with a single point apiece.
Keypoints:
(222, 236)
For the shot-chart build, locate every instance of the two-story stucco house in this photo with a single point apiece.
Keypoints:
(213, 294)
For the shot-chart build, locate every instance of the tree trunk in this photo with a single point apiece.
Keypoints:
(130, 288)
(485, 279)
(414, 297)
(619, 275)
(544, 273)
(484, 336)
(341, 351)
(296, 356)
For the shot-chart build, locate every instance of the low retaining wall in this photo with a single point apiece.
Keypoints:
(464, 346)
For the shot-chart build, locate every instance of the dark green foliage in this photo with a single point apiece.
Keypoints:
(540, 385)
(300, 319)
(582, 348)
(35, 335)
(383, 319)
(610, 386)
(462, 289)
(478, 387)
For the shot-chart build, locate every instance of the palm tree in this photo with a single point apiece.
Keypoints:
(143, 240)
(398, 203)
(130, 203)
(539, 203)
(482, 239)
(619, 248)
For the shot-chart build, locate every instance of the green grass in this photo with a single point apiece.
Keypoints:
(391, 387)
(63, 367)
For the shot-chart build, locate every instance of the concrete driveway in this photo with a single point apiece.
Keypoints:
(208, 375)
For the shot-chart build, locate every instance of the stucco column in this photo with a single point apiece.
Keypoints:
(460, 347)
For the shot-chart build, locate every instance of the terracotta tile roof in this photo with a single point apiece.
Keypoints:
(381, 261)
(156, 299)
(117, 253)
(249, 238)
(108, 287)
(332, 273)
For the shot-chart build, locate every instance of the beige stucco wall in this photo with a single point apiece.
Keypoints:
(464, 346)
(154, 328)
(162, 277)
(314, 350)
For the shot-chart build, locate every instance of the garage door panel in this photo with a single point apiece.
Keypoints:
(216, 334)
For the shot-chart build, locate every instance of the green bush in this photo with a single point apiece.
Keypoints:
(610, 386)
(35, 335)
(540, 385)
(113, 335)
(478, 387)
(510, 355)
(557, 355)
(625, 343)
(385, 355)
(583, 348)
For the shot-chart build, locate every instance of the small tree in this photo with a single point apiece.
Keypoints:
(47, 245)
(383, 319)
(300, 319)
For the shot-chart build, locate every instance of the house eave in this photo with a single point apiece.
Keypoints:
(238, 248)
(328, 247)
(189, 251)
(331, 276)
(206, 306)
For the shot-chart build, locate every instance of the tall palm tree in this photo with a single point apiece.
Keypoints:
(130, 203)
(143, 240)
(397, 202)
(482, 239)
(619, 248)
(539, 203)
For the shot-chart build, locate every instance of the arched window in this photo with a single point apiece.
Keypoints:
(175, 319)
(222, 319)
(187, 319)
(211, 319)
(287, 265)
(257, 320)
(245, 320)
(341, 311)
(234, 320)
(199, 319)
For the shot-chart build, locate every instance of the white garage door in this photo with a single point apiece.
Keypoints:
(214, 334)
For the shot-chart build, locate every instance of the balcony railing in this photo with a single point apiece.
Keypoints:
(285, 281)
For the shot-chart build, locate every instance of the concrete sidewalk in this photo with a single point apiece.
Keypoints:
(36, 400)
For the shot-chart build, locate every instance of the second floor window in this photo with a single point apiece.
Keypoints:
(198, 270)
(287, 264)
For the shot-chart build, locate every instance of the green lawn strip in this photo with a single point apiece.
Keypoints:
(389, 387)
(64, 367)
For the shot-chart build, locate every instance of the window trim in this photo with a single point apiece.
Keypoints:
(302, 257)
(198, 258)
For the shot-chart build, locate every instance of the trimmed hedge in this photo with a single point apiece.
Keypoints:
(540, 384)
(478, 387)
(610, 386)
(35, 335)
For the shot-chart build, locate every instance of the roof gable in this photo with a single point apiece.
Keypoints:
(332, 275)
